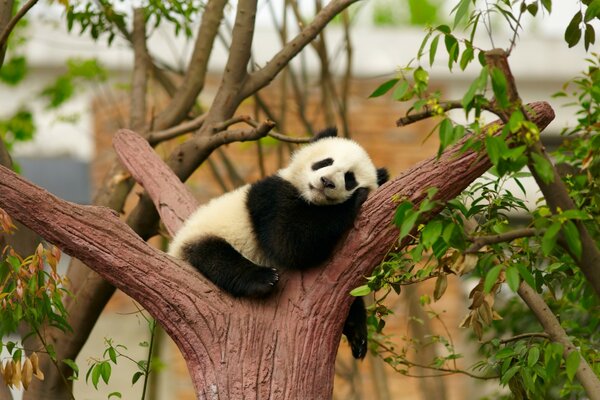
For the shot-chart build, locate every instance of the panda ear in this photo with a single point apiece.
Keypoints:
(382, 176)
(329, 132)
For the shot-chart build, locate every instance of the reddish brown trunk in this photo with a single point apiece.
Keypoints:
(282, 347)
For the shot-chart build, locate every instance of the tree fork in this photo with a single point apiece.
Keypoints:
(278, 347)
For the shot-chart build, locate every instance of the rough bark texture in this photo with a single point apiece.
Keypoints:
(275, 348)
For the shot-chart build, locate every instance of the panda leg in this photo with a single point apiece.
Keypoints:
(355, 328)
(228, 269)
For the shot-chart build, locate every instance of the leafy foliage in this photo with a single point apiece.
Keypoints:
(476, 236)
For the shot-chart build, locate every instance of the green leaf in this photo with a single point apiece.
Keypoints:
(478, 84)
(499, 86)
(115, 394)
(96, 370)
(360, 291)
(533, 356)
(72, 365)
(410, 219)
(433, 49)
(105, 371)
(512, 278)
(572, 364)
(573, 31)
(384, 87)
(543, 168)
(461, 11)
(592, 11)
(533, 8)
(466, 58)
(431, 232)
(571, 234)
(547, 5)
(549, 238)
(14, 70)
(400, 93)
(112, 354)
(491, 277)
(526, 274)
(589, 36)
(401, 212)
(136, 377)
(495, 147)
(446, 131)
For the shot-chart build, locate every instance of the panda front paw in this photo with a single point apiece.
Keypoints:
(256, 282)
(360, 196)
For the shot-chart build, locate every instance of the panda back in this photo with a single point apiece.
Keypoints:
(225, 217)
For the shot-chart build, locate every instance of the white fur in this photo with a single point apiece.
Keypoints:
(227, 216)
(347, 155)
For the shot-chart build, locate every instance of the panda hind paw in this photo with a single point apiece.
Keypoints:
(258, 282)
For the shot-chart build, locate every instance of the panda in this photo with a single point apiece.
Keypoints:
(290, 220)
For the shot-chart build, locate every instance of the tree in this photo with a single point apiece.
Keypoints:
(279, 348)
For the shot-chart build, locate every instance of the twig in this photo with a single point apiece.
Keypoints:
(479, 241)
(14, 20)
(185, 127)
(542, 335)
(432, 111)
(279, 136)
(552, 327)
(403, 360)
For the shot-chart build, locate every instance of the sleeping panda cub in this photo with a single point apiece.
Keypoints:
(291, 220)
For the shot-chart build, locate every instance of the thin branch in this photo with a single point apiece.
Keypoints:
(542, 335)
(14, 20)
(140, 72)
(6, 9)
(279, 136)
(479, 241)
(434, 111)
(262, 77)
(552, 327)
(404, 361)
(155, 138)
(193, 81)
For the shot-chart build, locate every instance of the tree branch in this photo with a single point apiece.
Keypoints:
(479, 241)
(155, 138)
(14, 20)
(262, 77)
(193, 81)
(6, 8)
(140, 72)
(585, 374)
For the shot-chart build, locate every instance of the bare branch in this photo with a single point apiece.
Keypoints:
(479, 241)
(6, 8)
(193, 81)
(185, 127)
(262, 77)
(552, 327)
(279, 136)
(14, 20)
(140, 72)
(434, 111)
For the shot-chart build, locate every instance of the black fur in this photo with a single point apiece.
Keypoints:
(328, 132)
(293, 233)
(228, 269)
(355, 328)
(382, 176)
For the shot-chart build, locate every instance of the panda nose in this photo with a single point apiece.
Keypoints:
(327, 183)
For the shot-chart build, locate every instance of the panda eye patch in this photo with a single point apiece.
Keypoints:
(322, 164)
(350, 180)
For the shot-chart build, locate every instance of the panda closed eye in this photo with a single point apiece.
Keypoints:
(322, 164)
(350, 180)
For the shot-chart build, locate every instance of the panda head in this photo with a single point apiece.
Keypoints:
(330, 169)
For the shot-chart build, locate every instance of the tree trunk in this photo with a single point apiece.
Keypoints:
(282, 347)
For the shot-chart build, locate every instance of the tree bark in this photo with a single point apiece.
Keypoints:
(273, 348)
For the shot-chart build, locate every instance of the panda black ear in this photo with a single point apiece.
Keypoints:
(329, 132)
(382, 176)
